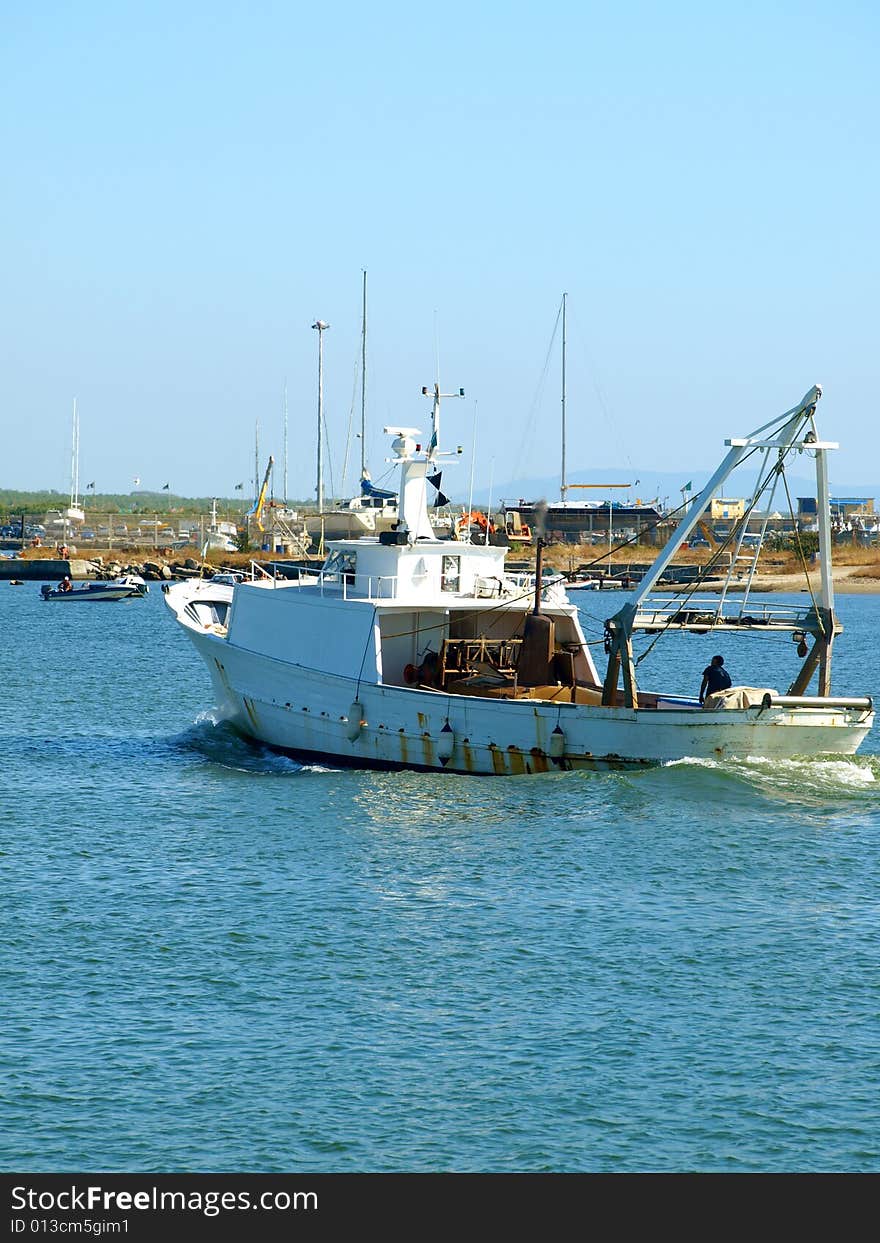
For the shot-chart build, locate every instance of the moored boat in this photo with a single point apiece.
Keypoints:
(409, 651)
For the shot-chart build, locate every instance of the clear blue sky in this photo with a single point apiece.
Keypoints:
(186, 187)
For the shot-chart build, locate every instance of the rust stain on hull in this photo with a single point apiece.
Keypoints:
(539, 760)
(517, 760)
(497, 759)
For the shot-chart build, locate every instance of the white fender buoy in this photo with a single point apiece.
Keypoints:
(446, 743)
(355, 720)
(557, 744)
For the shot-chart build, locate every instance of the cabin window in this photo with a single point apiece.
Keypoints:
(342, 563)
(451, 574)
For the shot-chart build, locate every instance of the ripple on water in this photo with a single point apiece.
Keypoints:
(211, 966)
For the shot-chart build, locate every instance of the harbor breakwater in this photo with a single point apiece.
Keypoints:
(54, 569)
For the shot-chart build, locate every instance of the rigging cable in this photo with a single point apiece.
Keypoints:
(525, 448)
(350, 421)
(797, 540)
(774, 473)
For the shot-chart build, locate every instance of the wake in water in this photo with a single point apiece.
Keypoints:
(213, 738)
(812, 780)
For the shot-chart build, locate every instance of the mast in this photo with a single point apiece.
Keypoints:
(256, 457)
(364, 383)
(74, 461)
(825, 542)
(434, 445)
(284, 438)
(831, 626)
(321, 327)
(564, 486)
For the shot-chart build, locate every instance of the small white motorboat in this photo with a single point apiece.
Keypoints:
(126, 587)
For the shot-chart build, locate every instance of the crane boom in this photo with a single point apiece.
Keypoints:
(257, 511)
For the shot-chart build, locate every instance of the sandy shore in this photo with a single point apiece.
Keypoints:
(844, 582)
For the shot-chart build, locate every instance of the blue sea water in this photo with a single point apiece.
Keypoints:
(215, 959)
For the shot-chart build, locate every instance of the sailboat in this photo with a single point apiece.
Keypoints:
(574, 520)
(60, 522)
(74, 512)
(372, 509)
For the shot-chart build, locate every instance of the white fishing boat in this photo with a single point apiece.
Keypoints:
(409, 651)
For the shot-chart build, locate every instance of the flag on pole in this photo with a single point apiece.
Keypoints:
(165, 487)
(137, 481)
(239, 487)
(688, 486)
(90, 485)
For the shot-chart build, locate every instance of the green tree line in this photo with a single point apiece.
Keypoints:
(14, 502)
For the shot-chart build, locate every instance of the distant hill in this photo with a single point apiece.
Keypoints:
(14, 501)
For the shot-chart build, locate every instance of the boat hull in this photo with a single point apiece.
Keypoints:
(92, 594)
(319, 716)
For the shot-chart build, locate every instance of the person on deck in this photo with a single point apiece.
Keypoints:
(715, 678)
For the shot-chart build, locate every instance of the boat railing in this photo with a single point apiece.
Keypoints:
(347, 584)
(379, 587)
(711, 613)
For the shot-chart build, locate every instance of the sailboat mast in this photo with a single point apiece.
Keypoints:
(74, 461)
(285, 440)
(321, 326)
(364, 384)
(563, 485)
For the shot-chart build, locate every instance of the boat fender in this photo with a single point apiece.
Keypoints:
(557, 744)
(446, 743)
(355, 720)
